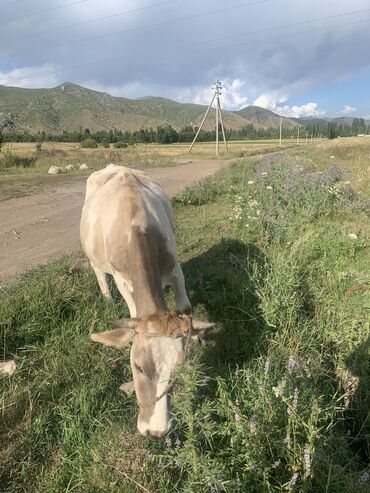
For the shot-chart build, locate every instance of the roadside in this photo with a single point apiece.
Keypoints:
(37, 228)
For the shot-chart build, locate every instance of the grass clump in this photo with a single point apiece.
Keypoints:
(278, 397)
(11, 160)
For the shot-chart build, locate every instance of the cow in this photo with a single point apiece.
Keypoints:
(127, 231)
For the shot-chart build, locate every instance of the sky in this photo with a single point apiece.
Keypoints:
(302, 59)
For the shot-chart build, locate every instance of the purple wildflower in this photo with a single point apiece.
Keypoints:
(364, 478)
(307, 461)
(253, 425)
(294, 478)
(267, 365)
(295, 399)
(292, 364)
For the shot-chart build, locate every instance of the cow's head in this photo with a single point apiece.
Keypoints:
(158, 346)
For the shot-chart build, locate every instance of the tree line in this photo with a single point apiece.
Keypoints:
(168, 135)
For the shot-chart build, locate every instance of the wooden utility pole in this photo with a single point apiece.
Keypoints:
(281, 129)
(217, 149)
(201, 125)
(217, 87)
(222, 124)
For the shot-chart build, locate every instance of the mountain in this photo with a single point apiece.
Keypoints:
(71, 107)
(265, 118)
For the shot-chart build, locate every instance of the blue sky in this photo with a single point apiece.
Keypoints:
(298, 58)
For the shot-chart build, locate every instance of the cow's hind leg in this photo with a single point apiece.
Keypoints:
(125, 292)
(102, 281)
(177, 282)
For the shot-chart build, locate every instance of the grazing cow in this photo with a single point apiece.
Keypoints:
(127, 231)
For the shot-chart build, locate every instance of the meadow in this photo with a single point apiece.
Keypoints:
(278, 397)
(34, 161)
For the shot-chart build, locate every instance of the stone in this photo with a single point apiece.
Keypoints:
(54, 170)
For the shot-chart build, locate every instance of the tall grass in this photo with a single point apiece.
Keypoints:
(278, 397)
(11, 160)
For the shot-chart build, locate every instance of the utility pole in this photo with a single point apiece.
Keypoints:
(281, 129)
(217, 150)
(217, 88)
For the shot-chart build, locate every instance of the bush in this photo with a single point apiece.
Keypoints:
(105, 143)
(89, 143)
(120, 145)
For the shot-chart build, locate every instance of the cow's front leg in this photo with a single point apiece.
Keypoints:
(125, 292)
(177, 282)
(101, 276)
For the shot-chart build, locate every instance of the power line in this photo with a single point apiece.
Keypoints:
(299, 23)
(11, 3)
(134, 57)
(171, 21)
(57, 7)
(325, 28)
(117, 14)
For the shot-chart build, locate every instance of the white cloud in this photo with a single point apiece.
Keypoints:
(347, 110)
(33, 76)
(232, 97)
(274, 102)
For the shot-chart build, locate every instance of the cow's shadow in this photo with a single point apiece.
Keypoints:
(358, 386)
(220, 284)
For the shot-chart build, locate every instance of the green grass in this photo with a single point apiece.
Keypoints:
(277, 399)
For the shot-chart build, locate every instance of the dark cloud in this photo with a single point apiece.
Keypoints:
(45, 42)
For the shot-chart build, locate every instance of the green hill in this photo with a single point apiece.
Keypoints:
(265, 118)
(70, 106)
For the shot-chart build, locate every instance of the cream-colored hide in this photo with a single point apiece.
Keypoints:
(127, 231)
(157, 347)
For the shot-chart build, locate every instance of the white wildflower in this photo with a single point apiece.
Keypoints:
(251, 182)
(353, 236)
(269, 187)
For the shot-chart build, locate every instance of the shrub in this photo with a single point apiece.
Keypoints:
(89, 143)
(105, 143)
(120, 145)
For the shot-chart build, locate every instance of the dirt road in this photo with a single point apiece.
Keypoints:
(45, 225)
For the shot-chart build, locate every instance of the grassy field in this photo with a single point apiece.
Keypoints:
(30, 172)
(278, 398)
(139, 156)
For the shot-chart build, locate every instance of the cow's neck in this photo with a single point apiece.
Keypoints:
(145, 275)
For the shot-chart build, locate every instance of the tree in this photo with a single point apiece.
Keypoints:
(167, 135)
(1, 138)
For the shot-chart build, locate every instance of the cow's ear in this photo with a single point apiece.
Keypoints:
(202, 324)
(116, 338)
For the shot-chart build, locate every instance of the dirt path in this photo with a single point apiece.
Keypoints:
(45, 225)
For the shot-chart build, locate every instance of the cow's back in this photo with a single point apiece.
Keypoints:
(119, 203)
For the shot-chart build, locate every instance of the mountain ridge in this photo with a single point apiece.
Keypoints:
(70, 107)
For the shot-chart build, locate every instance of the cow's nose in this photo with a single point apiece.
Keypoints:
(158, 433)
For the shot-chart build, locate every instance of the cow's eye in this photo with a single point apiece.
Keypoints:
(139, 369)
